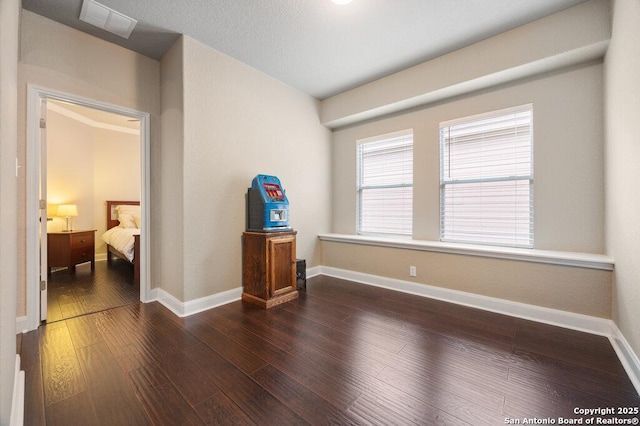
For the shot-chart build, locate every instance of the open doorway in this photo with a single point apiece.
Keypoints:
(79, 180)
(91, 156)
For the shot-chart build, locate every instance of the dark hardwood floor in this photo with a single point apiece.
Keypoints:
(343, 353)
(86, 291)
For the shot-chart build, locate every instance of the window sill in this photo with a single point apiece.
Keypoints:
(581, 260)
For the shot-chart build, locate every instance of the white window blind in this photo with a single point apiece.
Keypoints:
(385, 185)
(486, 179)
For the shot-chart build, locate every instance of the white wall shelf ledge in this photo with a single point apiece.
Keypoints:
(565, 258)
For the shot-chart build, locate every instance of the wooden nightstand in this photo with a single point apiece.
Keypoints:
(70, 249)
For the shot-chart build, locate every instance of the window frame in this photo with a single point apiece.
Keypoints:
(360, 188)
(484, 238)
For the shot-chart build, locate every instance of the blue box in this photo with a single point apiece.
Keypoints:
(267, 205)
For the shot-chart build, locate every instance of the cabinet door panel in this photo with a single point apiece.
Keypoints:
(282, 253)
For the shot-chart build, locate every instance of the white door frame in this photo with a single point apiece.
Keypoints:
(34, 95)
(43, 216)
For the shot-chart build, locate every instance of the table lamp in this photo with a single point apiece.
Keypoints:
(67, 211)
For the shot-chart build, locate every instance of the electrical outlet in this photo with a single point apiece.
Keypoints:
(412, 271)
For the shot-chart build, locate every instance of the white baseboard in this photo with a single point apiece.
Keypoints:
(627, 356)
(579, 322)
(17, 404)
(183, 309)
(315, 271)
(564, 319)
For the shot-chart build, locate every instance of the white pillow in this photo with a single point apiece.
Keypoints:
(126, 221)
(129, 209)
(136, 219)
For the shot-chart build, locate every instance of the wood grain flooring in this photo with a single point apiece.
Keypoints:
(110, 285)
(341, 354)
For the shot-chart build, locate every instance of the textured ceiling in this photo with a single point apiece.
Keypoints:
(313, 45)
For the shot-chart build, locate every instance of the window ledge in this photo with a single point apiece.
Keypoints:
(581, 260)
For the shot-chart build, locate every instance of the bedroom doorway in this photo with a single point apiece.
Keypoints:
(91, 156)
(79, 153)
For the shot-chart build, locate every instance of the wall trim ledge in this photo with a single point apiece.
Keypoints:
(184, 309)
(570, 320)
(564, 258)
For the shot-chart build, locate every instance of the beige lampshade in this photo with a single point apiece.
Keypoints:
(67, 210)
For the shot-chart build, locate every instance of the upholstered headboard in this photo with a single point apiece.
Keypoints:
(112, 215)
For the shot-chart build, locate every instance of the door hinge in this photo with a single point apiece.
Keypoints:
(43, 123)
(43, 285)
(43, 204)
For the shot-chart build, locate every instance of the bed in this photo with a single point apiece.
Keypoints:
(123, 233)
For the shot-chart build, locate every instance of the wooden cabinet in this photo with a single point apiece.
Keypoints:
(70, 249)
(269, 268)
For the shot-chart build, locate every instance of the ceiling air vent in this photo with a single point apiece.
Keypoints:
(108, 19)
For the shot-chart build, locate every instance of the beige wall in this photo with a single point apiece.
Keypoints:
(568, 158)
(622, 82)
(9, 31)
(59, 58)
(578, 290)
(568, 164)
(568, 197)
(69, 170)
(238, 123)
(168, 164)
